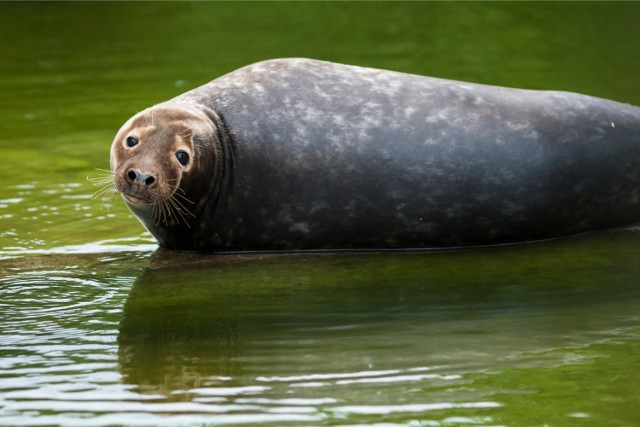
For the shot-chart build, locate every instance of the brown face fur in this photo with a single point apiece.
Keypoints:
(155, 152)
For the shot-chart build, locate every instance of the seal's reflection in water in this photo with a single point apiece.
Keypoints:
(194, 321)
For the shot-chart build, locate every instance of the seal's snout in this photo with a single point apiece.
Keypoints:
(145, 179)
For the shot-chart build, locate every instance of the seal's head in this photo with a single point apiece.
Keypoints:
(156, 158)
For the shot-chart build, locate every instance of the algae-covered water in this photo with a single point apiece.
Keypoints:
(98, 327)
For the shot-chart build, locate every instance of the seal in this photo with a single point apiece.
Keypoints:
(300, 154)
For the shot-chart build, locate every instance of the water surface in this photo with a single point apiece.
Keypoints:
(478, 337)
(97, 327)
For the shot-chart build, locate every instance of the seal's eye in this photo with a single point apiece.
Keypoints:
(131, 141)
(182, 157)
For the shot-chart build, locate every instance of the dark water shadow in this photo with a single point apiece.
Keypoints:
(196, 319)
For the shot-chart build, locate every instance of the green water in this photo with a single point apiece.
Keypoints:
(98, 328)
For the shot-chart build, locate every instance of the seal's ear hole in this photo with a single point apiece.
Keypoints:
(131, 141)
(183, 157)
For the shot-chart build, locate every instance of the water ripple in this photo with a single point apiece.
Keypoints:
(58, 337)
(35, 296)
(422, 407)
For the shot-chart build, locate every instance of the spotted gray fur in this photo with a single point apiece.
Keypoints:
(329, 156)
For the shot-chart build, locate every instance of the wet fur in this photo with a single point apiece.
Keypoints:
(297, 154)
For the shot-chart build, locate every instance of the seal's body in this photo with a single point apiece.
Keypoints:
(298, 154)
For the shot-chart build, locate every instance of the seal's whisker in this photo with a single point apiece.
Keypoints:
(179, 193)
(105, 194)
(163, 212)
(166, 213)
(102, 184)
(104, 180)
(155, 213)
(180, 211)
(106, 189)
(103, 177)
(171, 210)
(180, 207)
(182, 196)
(160, 212)
(187, 133)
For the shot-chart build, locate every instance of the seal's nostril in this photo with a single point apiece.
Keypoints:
(135, 177)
